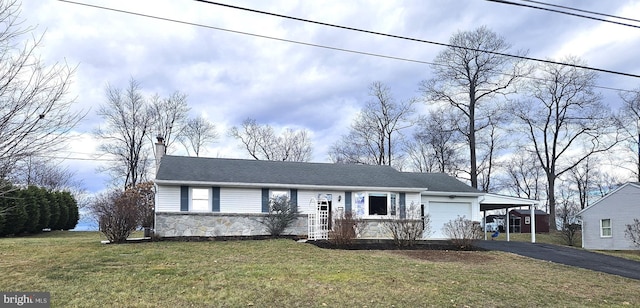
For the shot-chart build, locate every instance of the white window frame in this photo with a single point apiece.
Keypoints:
(389, 205)
(603, 228)
(197, 199)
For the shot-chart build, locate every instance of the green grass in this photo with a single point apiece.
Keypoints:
(627, 254)
(81, 272)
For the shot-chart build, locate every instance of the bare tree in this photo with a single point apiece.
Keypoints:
(567, 213)
(44, 172)
(630, 117)
(524, 177)
(492, 143)
(375, 134)
(169, 118)
(469, 80)
(632, 232)
(197, 133)
(437, 144)
(128, 122)
(262, 143)
(35, 113)
(565, 121)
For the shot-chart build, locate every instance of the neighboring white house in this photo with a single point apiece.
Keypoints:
(198, 196)
(604, 222)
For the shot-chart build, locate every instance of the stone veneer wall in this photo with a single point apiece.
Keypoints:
(219, 224)
(374, 229)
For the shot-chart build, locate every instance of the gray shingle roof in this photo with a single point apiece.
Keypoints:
(440, 182)
(224, 170)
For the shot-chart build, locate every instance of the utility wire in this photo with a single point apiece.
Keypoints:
(298, 42)
(248, 33)
(563, 12)
(420, 40)
(581, 10)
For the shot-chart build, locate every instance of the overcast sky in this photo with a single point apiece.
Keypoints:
(229, 77)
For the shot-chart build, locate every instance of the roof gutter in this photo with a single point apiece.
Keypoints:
(288, 186)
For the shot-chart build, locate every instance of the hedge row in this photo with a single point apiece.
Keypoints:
(34, 209)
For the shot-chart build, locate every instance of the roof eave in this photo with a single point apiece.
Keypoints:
(452, 193)
(281, 185)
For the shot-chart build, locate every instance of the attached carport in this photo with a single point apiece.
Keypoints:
(490, 202)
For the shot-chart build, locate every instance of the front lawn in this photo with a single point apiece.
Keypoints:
(81, 272)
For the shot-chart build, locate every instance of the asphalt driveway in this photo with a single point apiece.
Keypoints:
(568, 256)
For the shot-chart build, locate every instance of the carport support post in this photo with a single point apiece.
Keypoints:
(484, 227)
(508, 222)
(533, 223)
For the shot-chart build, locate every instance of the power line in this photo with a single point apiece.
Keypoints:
(299, 42)
(581, 10)
(420, 40)
(248, 33)
(563, 12)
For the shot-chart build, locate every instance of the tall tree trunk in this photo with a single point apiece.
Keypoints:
(472, 140)
(551, 180)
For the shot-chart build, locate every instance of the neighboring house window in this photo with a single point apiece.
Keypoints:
(378, 204)
(200, 200)
(605, 227)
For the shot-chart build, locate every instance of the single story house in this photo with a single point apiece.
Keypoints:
(604, 222)
(198, 196)
(212, 197)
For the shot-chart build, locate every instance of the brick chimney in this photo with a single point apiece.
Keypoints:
(161, 149)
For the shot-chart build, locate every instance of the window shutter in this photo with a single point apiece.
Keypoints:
(215, 199)
(265, 200)
(293, 198)
(347, 201)
(184, 198)
(403, 206)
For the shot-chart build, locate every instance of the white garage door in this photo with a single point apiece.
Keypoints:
(443, 212)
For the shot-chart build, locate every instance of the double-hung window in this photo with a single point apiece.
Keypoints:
(605, 227)
(200, 200)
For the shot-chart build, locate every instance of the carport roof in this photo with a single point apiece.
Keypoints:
(495, 202)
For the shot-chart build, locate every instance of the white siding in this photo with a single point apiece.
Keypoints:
(621, 206)
(413, 210)
(168, 199)
(240, 200)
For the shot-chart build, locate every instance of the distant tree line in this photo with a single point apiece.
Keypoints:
(33, 209)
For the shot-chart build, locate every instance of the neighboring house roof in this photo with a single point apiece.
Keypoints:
(181, 169)
(634, 184)
(528, 212)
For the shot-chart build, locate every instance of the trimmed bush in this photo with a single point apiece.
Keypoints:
(14, 212)
(281, 215)
(30, 198)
